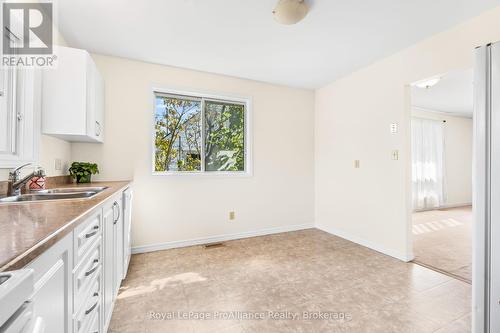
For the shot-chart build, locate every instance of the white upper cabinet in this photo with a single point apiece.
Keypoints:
(19, 115)
(20, 104)
(73, 98)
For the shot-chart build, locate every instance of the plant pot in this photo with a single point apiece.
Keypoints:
(83, 179)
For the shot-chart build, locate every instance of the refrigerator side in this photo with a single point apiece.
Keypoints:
(495, 190)
(480, 262)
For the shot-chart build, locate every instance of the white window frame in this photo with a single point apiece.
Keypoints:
(246, 101)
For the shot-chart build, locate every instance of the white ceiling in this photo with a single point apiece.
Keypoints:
(453, 94)
(240, 37)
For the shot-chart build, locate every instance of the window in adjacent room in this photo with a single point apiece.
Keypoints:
(200, 135)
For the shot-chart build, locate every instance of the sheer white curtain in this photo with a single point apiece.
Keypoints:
(427, 150)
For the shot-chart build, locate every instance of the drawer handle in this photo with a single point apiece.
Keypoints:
(90, 234)
(89, 310)
(87, 273)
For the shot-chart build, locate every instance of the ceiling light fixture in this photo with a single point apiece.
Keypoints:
(428, 83)
(290, 11)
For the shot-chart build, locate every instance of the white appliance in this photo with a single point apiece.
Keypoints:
(16, 310)
(486, 245)
(127, 229)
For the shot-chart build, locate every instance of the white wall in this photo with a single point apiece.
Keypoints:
(458, 156)
(175, 208)
(352, 117)
(51, 149)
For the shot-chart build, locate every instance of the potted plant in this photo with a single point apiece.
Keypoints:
(83, 171)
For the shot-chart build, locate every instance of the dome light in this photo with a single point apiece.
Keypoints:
(290, 11)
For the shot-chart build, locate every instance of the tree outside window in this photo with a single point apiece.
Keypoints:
(199, 135)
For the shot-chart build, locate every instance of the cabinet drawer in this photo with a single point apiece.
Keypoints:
(86, 234)
(95, 323)
(84, 319)
(86, 274)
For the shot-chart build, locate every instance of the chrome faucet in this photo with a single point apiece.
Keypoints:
(15, 184)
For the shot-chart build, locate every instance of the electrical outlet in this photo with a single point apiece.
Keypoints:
(395, 155)
(231, 216)
(58, 164)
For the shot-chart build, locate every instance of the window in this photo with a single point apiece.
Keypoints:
(427, 150)
(200, 134)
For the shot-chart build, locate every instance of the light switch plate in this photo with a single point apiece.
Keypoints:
(394, 128)
(356, 164)
(57, 164)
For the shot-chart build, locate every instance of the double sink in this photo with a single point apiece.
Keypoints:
(56, 194)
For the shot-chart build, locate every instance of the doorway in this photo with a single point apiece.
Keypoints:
(441, 173)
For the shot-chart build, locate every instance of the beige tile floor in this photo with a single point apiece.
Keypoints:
(309, 272)
(443, 239)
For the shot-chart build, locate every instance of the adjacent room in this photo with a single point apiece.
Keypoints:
(441, 141)
(249, 166)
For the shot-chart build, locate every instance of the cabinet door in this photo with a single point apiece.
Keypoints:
(118, 225)
(74, 111)
(95, 100)
(109, 267)
(98, 105)
(8, 123)
(64, 88)
(53, 296)
(20, 91)
(127, 219)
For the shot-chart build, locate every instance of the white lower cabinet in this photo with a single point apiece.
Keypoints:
(53, 296)
(77, 279)
(118, 245)
(108, 217)
(113, 253)
(84, 318)
(127, 228)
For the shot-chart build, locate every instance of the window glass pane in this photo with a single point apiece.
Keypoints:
(177, 134)
(224, 136)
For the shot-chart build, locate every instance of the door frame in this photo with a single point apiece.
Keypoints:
(477, 123)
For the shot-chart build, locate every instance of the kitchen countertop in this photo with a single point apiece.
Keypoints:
(28, 229)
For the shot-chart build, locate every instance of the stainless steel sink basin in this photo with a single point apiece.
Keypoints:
(64, 190)
(4, 277)
(56, 194)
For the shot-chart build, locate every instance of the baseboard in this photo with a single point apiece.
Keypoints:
(406, 257)
(220, 238)
(444, 207)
